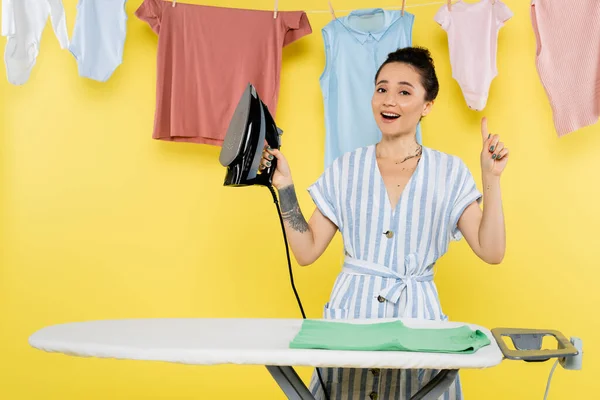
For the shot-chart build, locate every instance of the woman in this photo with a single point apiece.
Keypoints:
(397, 205)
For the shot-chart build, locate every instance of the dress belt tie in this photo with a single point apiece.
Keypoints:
(392, 292)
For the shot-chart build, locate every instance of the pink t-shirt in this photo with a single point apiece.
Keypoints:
(207, 56)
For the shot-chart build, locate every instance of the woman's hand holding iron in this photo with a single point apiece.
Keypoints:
(282, 176)
(307, 240)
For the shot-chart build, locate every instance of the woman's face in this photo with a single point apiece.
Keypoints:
(399, 99)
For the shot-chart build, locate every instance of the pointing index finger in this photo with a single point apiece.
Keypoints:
(484, 129)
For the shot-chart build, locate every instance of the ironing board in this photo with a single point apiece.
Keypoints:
(252, 342)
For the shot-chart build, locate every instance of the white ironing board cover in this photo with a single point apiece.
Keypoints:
(240, 341)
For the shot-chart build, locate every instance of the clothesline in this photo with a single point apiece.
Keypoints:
(385, 8)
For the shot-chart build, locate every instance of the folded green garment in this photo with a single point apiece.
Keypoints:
(387, 336)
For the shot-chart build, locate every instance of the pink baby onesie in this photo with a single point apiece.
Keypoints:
(568, 60)
(472, 30)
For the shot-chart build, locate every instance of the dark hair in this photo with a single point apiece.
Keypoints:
(420, 59)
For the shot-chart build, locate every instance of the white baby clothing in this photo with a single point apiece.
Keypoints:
(23, 22)
(8, 24)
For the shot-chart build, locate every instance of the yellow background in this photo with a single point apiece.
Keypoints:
(99, 221)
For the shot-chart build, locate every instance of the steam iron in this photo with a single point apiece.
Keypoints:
(250, 126)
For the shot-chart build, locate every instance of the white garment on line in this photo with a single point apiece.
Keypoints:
(23, 22)
(7, 20)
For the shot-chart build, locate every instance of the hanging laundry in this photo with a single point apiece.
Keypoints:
(23, 22)
(355, 47)
(99, 37)
(207, 55)
(568, 60)
(8, 20)
(472, 30)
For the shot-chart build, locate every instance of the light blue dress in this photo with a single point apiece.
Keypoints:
(355, 47)
(389, 275)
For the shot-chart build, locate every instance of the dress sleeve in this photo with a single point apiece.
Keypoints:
(324, 193)
(296, 26)
(502, 12)
(150, 11)
(464, 192)
(442, 17)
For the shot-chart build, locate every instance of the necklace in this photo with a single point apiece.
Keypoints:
(417, 154)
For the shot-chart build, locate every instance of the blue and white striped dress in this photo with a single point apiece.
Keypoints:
(389, 275)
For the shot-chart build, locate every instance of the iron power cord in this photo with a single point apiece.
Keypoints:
(549, 379)
(287, 251)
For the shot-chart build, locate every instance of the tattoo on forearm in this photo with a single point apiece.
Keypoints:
(290, 209)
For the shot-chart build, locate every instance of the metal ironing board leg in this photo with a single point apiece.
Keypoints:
(289, 381)
(293, 387)
(436, 386)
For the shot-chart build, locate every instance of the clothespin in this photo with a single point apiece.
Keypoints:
(275, 13)
(174, 1)
(449, 5)
(403, 5)
(331, 10)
